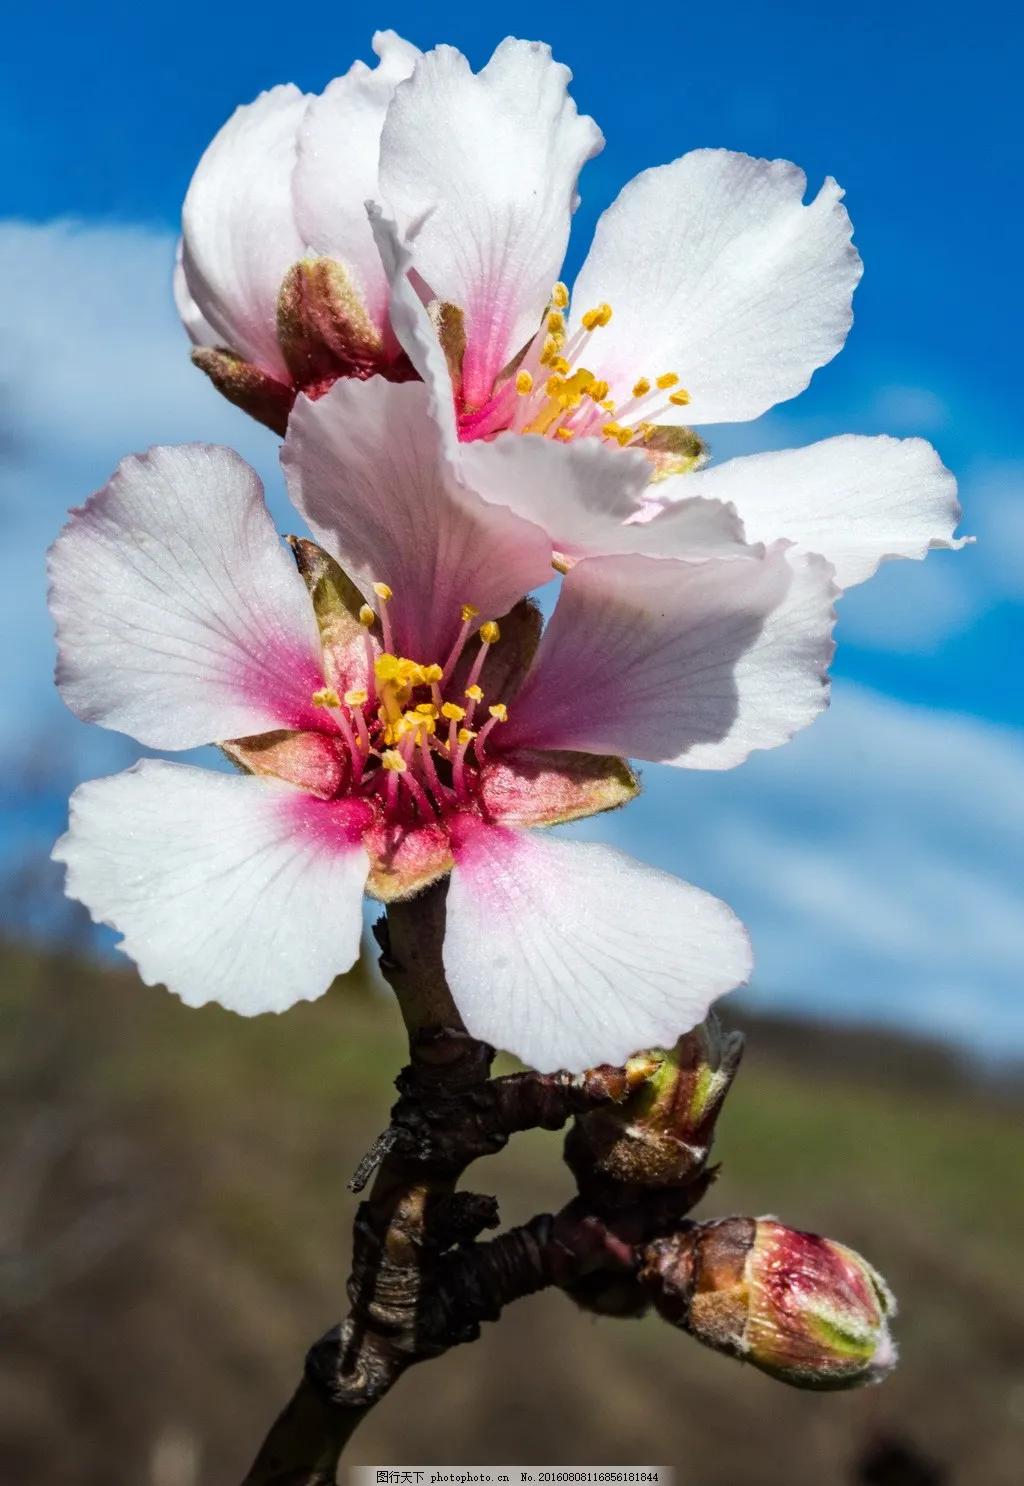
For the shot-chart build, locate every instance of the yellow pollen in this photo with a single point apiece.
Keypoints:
(432, 673)
(553, 386)
(524, 383)
(559, 364)
(646, 429)
(556, 322)
(427, 709)
(468, 612)
(598, 391)
(490, 633)
(465, 735)
(608, 404)
(326, 697)
(500, 711)
(382, 591)
(666, 380)
(393, 760)
(367, 616)
(560, 562)
(599, 315)
(551, 348)
(560, 296)
(355, 697)
(452, 711)
(679, 399)
(641, 388)
(475, 693)
(565, 434)
(612, 430)
(414, 722)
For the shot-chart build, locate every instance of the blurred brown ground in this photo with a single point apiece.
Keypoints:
(174, 1232)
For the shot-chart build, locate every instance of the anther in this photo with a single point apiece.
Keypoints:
(599, 315)
(490, 633)
(356, 697)
(367, 616)
(565, 434)
(465, 736)
(560, 296)
(453, 711)
(666, 380)
(393, 761)
(475, 693)
(382, 591)
(499, 712)
(326, 697)
(679, 399)
(432, 673)
(641, 387)
(524, 383)
(468, 612)
(598, 391)
(556, 322)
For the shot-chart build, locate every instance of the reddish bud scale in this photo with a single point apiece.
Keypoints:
(805, 1309)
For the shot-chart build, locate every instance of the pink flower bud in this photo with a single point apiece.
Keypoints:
(804, 1309)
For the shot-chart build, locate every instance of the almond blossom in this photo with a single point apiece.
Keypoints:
(395, 719)
(711, 292)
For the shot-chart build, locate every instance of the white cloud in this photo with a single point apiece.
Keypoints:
(878, 860)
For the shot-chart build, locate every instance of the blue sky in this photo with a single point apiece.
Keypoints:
(878, 860)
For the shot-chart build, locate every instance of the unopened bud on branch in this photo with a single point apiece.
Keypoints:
(661, 1136)
(804, 1309)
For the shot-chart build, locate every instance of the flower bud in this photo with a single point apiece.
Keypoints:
(804, 1309)
(661, 1136)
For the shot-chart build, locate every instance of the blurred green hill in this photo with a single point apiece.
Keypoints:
(174, 1232)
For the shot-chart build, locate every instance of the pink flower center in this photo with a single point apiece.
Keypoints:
(549, 391)
(416, 735)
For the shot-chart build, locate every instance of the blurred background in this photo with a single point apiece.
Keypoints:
(173, 1214)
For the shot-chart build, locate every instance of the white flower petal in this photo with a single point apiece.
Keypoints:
(181, 618)
(225, 888)
(364, 466)
(571, 955)
(199, 332)
(336, 173)
(855, 500)
(695, 664)
(493, 158)
(717, 271)
(584, 493)
(238, 226)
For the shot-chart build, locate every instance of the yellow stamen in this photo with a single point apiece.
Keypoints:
(551, 348)
(666, 380)
(524, 383)
(608, 404)
(679, 399)
(475, 693)
(468, 612)
(465, 735)
(326, 697)
(452, 711)
(560, 296)
(599, 315)
(556, 322)
(559, 364)
(382, 591)
(641, 388)
(367, 616)
(612, 430)
(565, 434)
(490, 633)
(432, 673)
(427, 708)
(355, 697)
(500, 711)
(554, 385)
(598, 391)
(391, 759)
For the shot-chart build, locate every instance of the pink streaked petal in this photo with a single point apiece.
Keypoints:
(493, 158)
(224, 888)
(688, 663)
(569, 955)
(238, 226)
(336, 173)
(365, 467)
(584, 495)
(181, 618)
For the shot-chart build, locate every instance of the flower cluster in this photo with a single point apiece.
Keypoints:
(375, 274)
